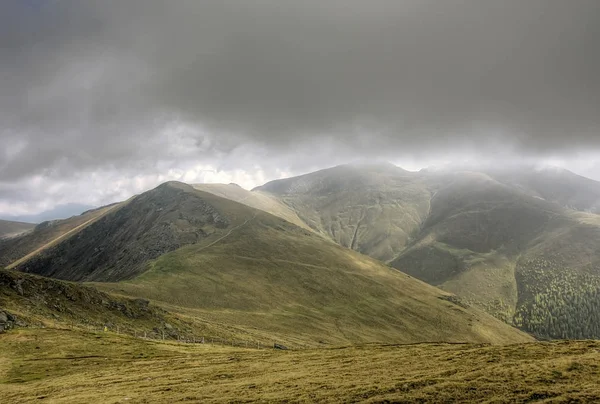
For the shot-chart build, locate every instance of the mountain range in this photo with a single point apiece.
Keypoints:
(521, 243)
(354, 253)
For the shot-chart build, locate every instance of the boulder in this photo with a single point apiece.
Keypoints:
(6, 321)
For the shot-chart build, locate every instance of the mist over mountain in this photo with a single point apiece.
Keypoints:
(519, 242)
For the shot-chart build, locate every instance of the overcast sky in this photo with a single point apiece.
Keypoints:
(103, 99)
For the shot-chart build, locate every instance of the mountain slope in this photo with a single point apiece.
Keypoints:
(475, 232)
(34, 301)
(16, 250)
(272, 275)
(118, 245)
(12, 229)
(481, 235)
(255, 199)
(554, 185)
(212, 258)
(521, 258)
(31, 301)
(559, 282)
(373, 209)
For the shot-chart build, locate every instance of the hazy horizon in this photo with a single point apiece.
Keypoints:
(62, 211)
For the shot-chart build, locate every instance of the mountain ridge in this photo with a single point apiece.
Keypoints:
(236, 265)
(474, 234)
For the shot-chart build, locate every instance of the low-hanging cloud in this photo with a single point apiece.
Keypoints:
(100, 85)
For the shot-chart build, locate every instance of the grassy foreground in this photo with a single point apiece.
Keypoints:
(50, 365)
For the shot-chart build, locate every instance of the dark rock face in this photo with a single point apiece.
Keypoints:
(118, 246)
(7, 321)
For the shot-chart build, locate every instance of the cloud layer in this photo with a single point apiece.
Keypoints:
(141, 87)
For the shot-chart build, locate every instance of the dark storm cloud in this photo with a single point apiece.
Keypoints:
(88, 84)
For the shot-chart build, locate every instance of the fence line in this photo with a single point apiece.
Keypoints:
(163, 335)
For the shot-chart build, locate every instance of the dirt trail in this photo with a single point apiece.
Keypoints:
(229, 233)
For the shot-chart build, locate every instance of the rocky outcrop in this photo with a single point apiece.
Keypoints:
(7, 321)
(36, 298)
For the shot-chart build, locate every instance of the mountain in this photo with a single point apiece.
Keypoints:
(553, 184)
(373, 209)
(478, 233)
(210, 258)
(118, 245)
(257, 199)
(44, 235)
(58, 212)
(506, 242)
(10, 229)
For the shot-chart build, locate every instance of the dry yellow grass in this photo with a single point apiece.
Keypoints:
(61, 366)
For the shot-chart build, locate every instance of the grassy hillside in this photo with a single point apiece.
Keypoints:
(275, 276)
(120, 244)
(373, 209)
(34, 301)
(485, 236)
(256, 199)
(12, 229)
(525, 260)
(211, 258)
(74, 366)
(30, 301)
(469, 244)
